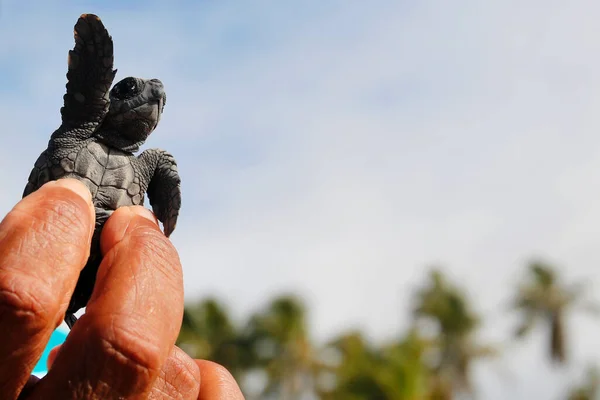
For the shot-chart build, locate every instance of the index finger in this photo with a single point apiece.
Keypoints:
(44, 244)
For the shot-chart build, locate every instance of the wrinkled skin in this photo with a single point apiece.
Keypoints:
(100, 131)
(123, 347)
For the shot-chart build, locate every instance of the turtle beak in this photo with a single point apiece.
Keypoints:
(158, 93)
(161, 106)
(161, 103)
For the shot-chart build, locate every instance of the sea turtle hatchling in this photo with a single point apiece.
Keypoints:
(100, 131)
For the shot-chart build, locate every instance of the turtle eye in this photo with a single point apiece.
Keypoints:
(126, 89)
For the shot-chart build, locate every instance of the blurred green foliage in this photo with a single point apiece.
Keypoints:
(273, 356)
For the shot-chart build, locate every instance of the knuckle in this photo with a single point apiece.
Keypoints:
(124, 350)
(27, 304)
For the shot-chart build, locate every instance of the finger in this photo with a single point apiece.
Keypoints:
(118, 347)
(179, 378)
(52, 356)
(44, 244)
(217, 383)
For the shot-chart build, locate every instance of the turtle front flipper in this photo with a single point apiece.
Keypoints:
(89, 79)
(161, 181)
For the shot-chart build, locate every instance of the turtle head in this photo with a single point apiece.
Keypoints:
(136, 106)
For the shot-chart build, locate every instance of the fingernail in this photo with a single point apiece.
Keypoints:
(76, 187)
(143, 212)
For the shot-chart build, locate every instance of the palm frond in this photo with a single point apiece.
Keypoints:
(557, 338)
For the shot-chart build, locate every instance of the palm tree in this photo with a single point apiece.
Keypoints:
(356, 366)
(407, 375)
(395, 371)
(283, 349)
(207, 332)
(447, 309)
(543, 298)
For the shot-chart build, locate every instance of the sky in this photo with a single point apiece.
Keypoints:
(339, 149)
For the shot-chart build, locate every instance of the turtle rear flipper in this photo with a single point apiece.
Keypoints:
(89, 79)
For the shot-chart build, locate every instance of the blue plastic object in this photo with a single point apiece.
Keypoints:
(58, 337)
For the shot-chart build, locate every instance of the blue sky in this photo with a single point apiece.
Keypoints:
(337, 149)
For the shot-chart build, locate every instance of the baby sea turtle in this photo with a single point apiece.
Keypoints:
(100, 131)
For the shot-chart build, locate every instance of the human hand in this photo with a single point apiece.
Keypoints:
(123, 347)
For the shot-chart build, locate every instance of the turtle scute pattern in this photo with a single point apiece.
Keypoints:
(107, 172)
